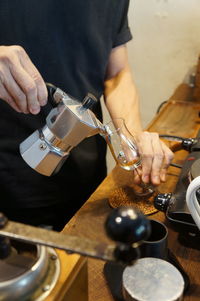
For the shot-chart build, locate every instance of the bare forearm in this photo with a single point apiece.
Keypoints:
(122, 99)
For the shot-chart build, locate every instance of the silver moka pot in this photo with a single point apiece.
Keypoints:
(67, 124)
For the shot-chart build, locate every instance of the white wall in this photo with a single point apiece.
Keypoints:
(164, 49)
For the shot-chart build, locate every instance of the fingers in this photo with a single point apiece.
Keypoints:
(27, 85)
(14, 92)
(6, 96)
(137, 174)
(146, 152)
(156, 158)
(35, 75)
(168, 157)
(21, 80)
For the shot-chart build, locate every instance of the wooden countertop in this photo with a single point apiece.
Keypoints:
(175, 118)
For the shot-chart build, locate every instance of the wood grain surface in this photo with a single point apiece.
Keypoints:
(73, 278)
(178, 116)
(89, 221)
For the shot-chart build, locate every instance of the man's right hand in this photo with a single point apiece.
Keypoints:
(21, 85)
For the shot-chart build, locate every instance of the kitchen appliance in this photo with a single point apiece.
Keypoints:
(29, 266)
(67, 124)
(174, 204)
(152, 279)
(193, 199)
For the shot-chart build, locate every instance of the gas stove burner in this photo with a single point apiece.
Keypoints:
(29, 273)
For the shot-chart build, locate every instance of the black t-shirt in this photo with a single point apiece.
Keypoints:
(70, 43)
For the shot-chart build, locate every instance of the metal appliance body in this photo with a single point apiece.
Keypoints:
(152, 279)
(193, 200)
(67, 124)
(32, 277)
(174, 204)
(30, 272)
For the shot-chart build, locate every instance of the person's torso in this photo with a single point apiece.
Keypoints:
(70, 43)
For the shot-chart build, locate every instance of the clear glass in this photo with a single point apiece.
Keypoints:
(122, 144)
(124, 150)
